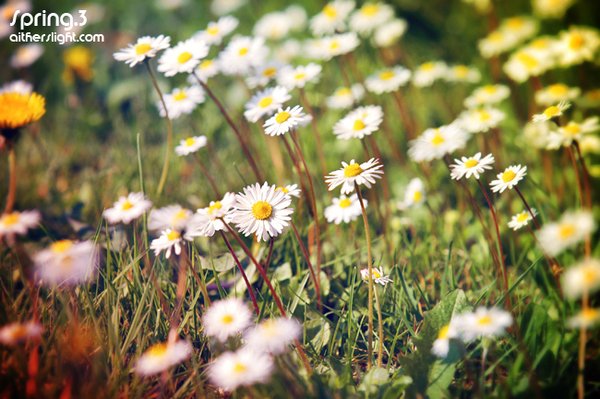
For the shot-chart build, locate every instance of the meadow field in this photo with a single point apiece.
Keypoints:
(275, 199)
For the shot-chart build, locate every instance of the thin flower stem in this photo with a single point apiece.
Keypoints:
(12, 179)
(210, 179)
(588, 193)
(310, 267)
(409, 125)
(243, 273)
(169, 143)
(533, 218)
(235, 129)
(270, 253)
(181, 288)
(379, 328)
(315, 128)
(370, 281)
(581, 353)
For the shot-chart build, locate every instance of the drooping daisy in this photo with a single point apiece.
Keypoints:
(463, 73)
(556, 93)
(551, 8)
(429, 72)
(244, 367)
(242, 54)
(377, 275)
(471, 166)
(208, 220)
(521, 219)
(571, 229)
(582, 278)
(144, 48)
(332, 17)
(226, 318)
(483, 322)
(370, 16)
(181, 101)
(293, 77)
(26, 55)
(487, 95)
(577, 45)
(205, 70)
(413, 195)
(265, 102)
(434, 143)
(162, 356)
(388, 80)
(127, 208)
(16, 333)
(182, 58)
(284, 121)
(190, 145)
(18, 109)
(441, 345)
(478, 120)
(217, 30)
(352, 173)
(345, 97)
(17, 223)
(169, 217)
(262, 211)
(585, 319)
(168, 241)
(67, 262)
(290, 189)
(344, 209)
(273, 336)
(263, 74)
(361, 122)
(551, 112)
(389, 33)
(509, 178)
(17, 86)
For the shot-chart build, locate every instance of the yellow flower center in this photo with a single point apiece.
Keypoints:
(157, 350)
(508, 176)
(471, 163)
(386, 75)
(265, 102)
(527, 60)
(343, 91)
(590, 314)
(78, 59)
(566, 230)
(484, 320)
(212, 30)
(142, 48)
(190, 141)
(330, 11)
(576, 41)
(282, 116)
(369, 9)
(243, 51)
(239, 368)
(179, 95)
(227, 319)
(558, 89)
(573, 128)
(590, 275)
(269, 72)
(358, 125)
(345, 203)
(262, 210)
(184, 57)
(461, 71)
(173, 235)
(352, 170)
(514, 23)
(428, 66)
(205, 64)
(127, 205)
(417, 196)
(496, 37)
(283, 189)
(299, 76)
(10, 219)
(484, 116)
(443, 334)
(17, 110)
(334, 45)
(437, 138)
(551, 111)
(490, 89)
(376, 274)
(61, 246)
(522, 217)
(179, 216)
(214, 206)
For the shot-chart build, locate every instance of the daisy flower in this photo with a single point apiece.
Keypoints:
(244, 367)
(551, 8)
(181, 101)
(370, 16)
(291, 189)
(585, 319)
(487, 95)
(265, 102)
(496, 43)
(478, 120)
(16, 333)
(190, 145)
(565, 135)
(127, 208)
(284, 121)
(520, 27)
(226, 318)
(389, 33)
(335, 45)
(182, 58)
(162, 356)
(291, 78)
(332, 17)
(377, 274)
(434, 143)
(17, 223)
(217, 30)
(296, 17)
(242, 54)
(67, 262)
(509, 178)
(169, 217)
(352, 173)
(345, 97)
(273, 336)
(471, 166)
(205, 70)
(207, 220)
(17, 86)
(551, 112)
(344, 209)
(571, 229)
(262, 211)
(144, 48)
(272, 26)
(168, 241)
(26, 55)
(556, 93)
(463, 73)
(263, 74)
(577, 45)
(413, 195)
(361, 122)
(441, 345)
(388, 80)
(429, 72)
(582, 278)
(524, 63)
(483, 322)
(521, 219)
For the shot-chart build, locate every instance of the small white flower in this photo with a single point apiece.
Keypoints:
(291, 189)
(509, 178)
(67, 262)
(190, 145)
(169, 217)
(565, 135)
(162, 356)
(388, 80)
(389, 33)
(205, 70)
(571, 229)
(441, 345)
(144, 48)
(551, 8)
(551, 112)
(581, 279)
(483, 322)
(291, 78)
(273, 336)
(17, 86)
(127, 208)
(244, 367)
(471, 166)
(352, 173)
(265, 102)
(361, 122)
(478, 120)
(434, 143)
(487, 95)
(429, 72)
(181, 101)
(526, 63)
(329, 47)
(521, 219)
(16, 333)
(242, 54)
(284, 121)
(207, 220)
(168, 241)
(344, 209)
(332, 17)
(263, 74)
(370, 16)
(17, 223)
(577, 45)
(345, 97)
(377, 275)
(272, 26)
(585, 319)
(226, 318)
(413, 195)
(26, 55)
(182, 58)
(216, 31)
(463, 73)
(556, 93)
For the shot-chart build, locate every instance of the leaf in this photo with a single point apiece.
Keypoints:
(220, 264)
(374, 378)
